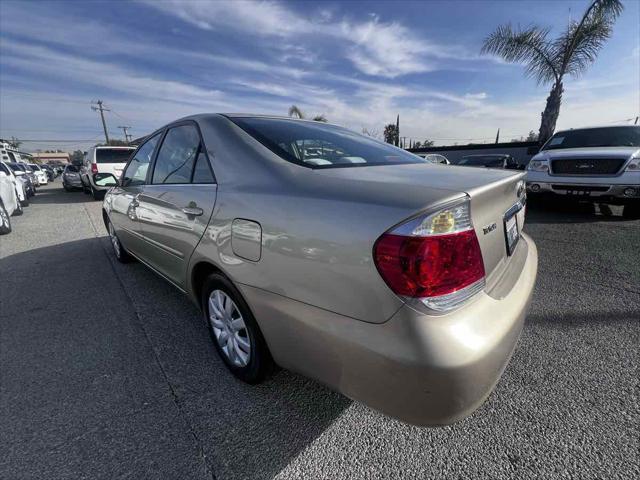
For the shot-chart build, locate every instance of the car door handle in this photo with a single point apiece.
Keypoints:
(192, 211)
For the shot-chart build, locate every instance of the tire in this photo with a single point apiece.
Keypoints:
(632, 210)
(118, 250)
(5, 221)
(254, 362)
(97, 194)
(25, 202)
(19, 210)
(66, 188)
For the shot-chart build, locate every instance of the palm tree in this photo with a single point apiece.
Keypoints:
(549, 60)
(294, 111)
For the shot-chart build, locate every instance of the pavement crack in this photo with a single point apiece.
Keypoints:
(140, 324)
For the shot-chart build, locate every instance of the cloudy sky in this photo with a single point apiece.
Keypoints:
(358, 63)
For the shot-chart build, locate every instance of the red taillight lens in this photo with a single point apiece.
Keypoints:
(94, 168)
(429, 266)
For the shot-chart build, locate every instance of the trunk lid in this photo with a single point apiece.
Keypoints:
(492, 193)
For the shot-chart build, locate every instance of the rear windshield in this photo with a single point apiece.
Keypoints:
(113, 155)
(318, 145)
(595, 137)
(71, 169)
(35, 168)
(489, 161)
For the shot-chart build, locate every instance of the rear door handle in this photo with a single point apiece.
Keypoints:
(192, 211)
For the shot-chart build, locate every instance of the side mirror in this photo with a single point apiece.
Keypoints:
(105, 180)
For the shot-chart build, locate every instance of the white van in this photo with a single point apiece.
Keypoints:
(102, 159)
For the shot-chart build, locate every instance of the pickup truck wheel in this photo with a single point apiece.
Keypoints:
(118, 251)
(234, 330)
(632, 210)
(5, 221)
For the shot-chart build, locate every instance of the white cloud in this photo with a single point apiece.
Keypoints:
(375, 48)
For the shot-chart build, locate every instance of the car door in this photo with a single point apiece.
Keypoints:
(123, 199)
(175, 206)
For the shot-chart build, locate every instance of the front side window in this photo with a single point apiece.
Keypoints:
(318, 145)
(136, 171)
(11, 156)
(177, 155)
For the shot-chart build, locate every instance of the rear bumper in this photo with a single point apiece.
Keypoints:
(424, 370)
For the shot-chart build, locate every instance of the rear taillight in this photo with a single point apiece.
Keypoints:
(434, 258)
(94, 168)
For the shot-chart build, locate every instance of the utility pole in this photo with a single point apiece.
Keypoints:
(101, 108)
(498, 136)
(126, 135)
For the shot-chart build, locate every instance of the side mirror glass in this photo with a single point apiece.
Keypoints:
(105, 180)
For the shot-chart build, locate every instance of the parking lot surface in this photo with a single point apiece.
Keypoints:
(107, 371)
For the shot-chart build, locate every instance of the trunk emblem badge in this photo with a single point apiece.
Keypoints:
(489, 228)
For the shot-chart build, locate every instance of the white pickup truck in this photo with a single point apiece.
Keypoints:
(599, 163)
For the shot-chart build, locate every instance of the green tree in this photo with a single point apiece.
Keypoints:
(295, 112)
(549, 60)
(390, 133)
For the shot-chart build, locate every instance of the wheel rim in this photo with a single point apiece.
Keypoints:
(4, 217)
(114, 240)
(229, 328)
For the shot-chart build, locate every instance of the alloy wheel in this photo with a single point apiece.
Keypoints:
(229, 328)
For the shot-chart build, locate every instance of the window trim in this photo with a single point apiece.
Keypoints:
(202, 147)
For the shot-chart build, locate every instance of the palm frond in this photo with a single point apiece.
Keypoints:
(579, 46)
(529, 47)
(295, 112)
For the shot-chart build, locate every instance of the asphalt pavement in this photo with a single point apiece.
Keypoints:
(107, 371)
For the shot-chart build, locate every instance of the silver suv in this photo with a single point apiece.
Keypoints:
(602, 163)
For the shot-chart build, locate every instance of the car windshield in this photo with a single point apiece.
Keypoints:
(71, 169)
(595, 137)
(318, 145)
(113, 155)
(482, 161)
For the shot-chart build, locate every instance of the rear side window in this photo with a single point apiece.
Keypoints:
(11, 156)
(136, 171)
(177, 155)
(113, 155)
(71, 169)
(202, 171)
(4, 169)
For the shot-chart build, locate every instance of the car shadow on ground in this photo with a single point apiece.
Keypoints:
(562, 210)
(55, 194)
(153, 338)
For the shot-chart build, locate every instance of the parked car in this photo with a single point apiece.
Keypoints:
(491, 161)
(40, 174)
(19, 183)
(102, 159)
(9, 203)
(436, 158)
(49, 171)
(600, 163)
(23, 171)
(71, 178)
(387, 278)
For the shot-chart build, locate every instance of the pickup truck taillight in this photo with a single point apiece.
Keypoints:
(434, 258)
